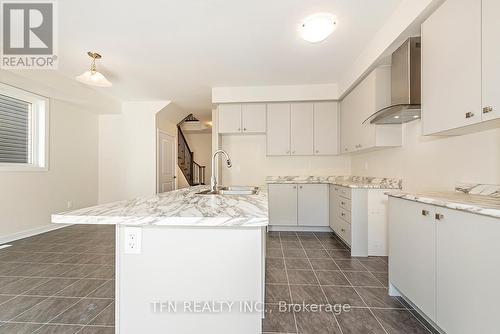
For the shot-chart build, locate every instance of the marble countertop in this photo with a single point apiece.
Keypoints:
(344, 181)
(181, 207)
(478, 204)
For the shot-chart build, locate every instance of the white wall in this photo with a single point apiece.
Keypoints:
(201, 145)
(127, 151)
(251, 165)
(435, 163)
(27, 199)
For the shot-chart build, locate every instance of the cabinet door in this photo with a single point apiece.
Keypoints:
(346, 125)
(278, 129)
(332, 208)
(491, 55)
(468, 272)
(326, 126)
(313, 205)
(253, 118)
(282, 204)
(412, 252)
(229, 118)
(301, 129)
(451, 66)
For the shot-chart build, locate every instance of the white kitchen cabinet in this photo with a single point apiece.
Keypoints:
(253, 118)
(229, 118)
(451, 66)
(301, 128)
(278, 129)
(235, 118)
(312, 206)
(326, 125)
(298, 205)
(358, 216)
(369, 96)
(490, 56)
(447, 263)
(282, 204)
(412, 253)
(468, 272)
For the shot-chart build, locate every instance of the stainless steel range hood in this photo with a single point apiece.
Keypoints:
(405, 86)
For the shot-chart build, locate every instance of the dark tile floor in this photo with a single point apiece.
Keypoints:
(316, 268)
(59, 282)
(63, 282)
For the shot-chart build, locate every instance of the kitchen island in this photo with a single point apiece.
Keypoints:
(186, 263)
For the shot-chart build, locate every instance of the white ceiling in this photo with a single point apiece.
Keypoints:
(178, 50)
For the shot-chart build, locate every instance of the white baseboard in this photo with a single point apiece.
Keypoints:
(299, 228)
(29, 233)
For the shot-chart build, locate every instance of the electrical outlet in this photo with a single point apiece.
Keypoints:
(69, 204)
(133, 238)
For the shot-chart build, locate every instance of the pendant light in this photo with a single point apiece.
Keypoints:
(93, 77)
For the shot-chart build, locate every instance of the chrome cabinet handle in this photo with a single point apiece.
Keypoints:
(469, 114)
(239, 129)
(439, 216)
(343, 203)
(287, 152)
(487, 109)
(294, 187)
(293, 152)
(300, 187)
(244, 129)
(425, 212)
(342, 214)
(343, 230)
(317, 151)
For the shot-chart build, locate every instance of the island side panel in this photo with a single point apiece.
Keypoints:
(190, 264)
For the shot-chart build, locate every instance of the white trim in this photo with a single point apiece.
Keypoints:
(39, 124)
(291, 228)
(31, 232)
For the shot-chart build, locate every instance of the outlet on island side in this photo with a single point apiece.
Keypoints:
(133, 237)
(69, 204)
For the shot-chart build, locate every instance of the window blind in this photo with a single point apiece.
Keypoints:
(14, 130)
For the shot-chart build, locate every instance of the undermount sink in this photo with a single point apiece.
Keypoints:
(232, 190)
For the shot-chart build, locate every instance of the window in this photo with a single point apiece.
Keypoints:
(23, 130)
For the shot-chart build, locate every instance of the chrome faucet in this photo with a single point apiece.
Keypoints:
(213, 179)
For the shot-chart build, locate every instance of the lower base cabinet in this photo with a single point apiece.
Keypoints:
(298, 205)
(359, 217)
(447, 263)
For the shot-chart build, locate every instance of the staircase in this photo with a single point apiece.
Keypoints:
(193, 172)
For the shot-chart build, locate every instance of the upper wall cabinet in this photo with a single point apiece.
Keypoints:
(302, 128)
(491, 56)
(242, 118)
(326, 125)
(460, 68)
(370, 95)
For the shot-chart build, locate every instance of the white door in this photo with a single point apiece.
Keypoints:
(278, 129)
(301, 128)
(326, 126)
(313, 205)
(491, 56)
(166, 162)
(412, 253)
(468, 272)
(283, 204)
(451, 66)
(253, 117)
(229, 118)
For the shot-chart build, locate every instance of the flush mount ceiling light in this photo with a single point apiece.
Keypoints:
(93, 77)
(317, 27)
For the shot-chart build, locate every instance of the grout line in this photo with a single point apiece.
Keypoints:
(288, 284)
(97, 315)
(322, 290)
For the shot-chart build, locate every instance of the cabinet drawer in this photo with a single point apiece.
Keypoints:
(343, 191)
(344, 215)
(345, 203)
(344, 231)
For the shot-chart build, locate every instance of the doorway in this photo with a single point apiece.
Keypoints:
(166, 162)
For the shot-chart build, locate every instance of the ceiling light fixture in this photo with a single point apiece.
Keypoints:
(317, 27)
(93, 77)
